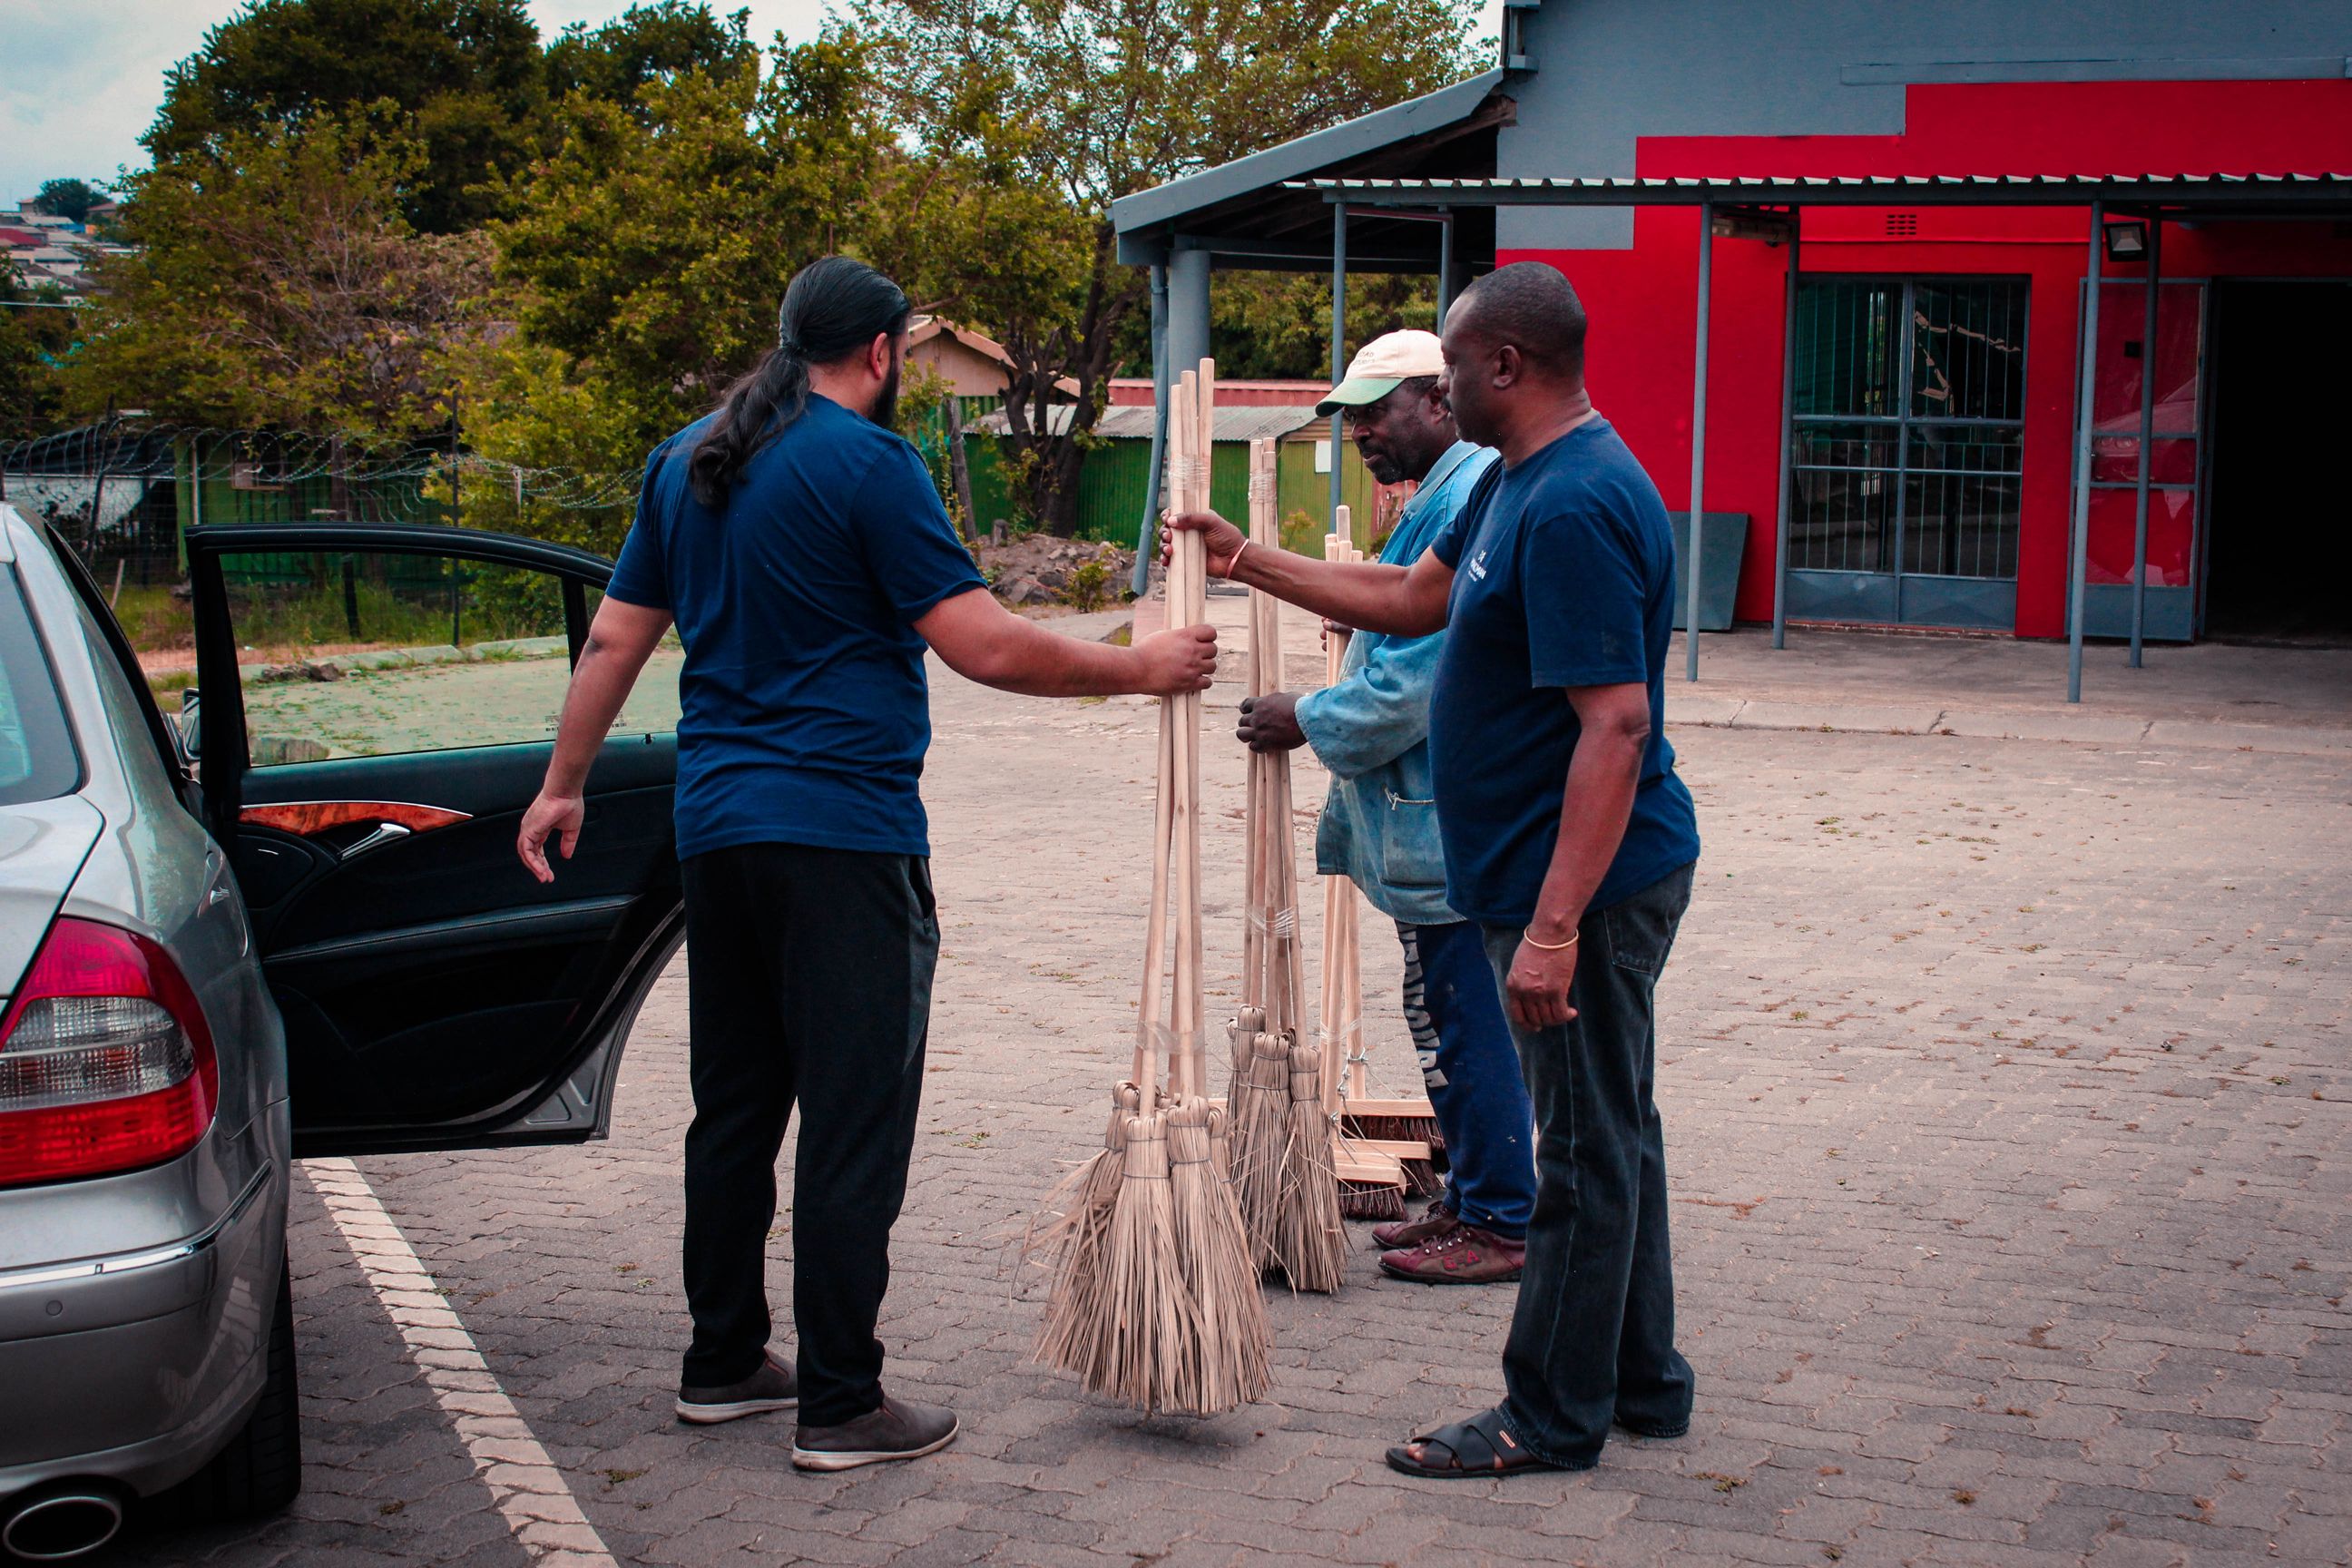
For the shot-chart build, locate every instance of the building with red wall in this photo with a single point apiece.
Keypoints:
(1934, 437)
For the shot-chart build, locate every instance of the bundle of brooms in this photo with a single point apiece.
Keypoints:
(1281, 1092)
(1155, 1299)
(1373, 1175)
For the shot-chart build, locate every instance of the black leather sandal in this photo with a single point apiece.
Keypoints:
(1477, 1447)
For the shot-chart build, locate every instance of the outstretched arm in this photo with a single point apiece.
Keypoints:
(981, 640)
(1404, 601)
(620, 639)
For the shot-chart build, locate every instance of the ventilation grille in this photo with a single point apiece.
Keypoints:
(1902, 225)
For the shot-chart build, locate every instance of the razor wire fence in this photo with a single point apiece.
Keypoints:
(122, 493)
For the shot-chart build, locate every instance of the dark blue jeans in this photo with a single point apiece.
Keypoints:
(1472, 1071)
(1592, 1338)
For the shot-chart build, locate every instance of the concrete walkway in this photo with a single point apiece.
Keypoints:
(2247, 699)
(2294, 700)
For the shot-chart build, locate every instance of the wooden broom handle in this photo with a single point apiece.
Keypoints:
(1155, 938)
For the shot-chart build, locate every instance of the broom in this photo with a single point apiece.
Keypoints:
(1154, 1302)
(1286, 1088)
(1257, 1098)
(1231, 1359)
(1074, 1238)
(1371, 1179)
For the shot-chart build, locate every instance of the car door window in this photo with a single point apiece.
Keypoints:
(377, 653)
(652, 705)
(37, 759)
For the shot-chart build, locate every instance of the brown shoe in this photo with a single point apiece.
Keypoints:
(1463, 1256)
(899, 1430)
(773, 1387)
(1412, 1233)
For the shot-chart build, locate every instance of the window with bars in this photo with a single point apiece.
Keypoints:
(1909, 427)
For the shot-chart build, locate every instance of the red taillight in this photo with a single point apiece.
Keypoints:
(105, 1061)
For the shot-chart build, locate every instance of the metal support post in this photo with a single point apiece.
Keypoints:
(1146, 542)
(1339, 340)
(1787, 505)
(2085, 374)
(2147, 432)
(1698, 444)
(1445, 268)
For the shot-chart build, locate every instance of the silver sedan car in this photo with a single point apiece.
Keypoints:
(315, 941)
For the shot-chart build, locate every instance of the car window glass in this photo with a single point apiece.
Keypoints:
(39, 760)
(159, 831)
(653, 706)
(370, 652)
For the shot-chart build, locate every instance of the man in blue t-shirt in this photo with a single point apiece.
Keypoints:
(1568, 838)
(802, 555)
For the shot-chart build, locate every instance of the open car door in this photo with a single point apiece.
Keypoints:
(377, 704)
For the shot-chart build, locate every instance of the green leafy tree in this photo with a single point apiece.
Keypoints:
(278, 282)
(1032, 116)
(69, 199)
(465, 77)
(35, 335)
(642, 267)
(647, 43)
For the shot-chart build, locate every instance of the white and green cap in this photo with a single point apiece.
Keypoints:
(1383, 365)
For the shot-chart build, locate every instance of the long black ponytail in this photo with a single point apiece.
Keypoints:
(832, 308)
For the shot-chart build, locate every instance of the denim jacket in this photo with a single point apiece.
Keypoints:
(1371, 730)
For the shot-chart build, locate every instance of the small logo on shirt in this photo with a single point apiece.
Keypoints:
(1478, 566)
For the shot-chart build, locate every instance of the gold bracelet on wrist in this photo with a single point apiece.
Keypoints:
(1529, 938)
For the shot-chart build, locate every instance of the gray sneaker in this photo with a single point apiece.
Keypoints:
(773, 1387)
(899, 1430)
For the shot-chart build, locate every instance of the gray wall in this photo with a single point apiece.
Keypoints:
(1608, 71)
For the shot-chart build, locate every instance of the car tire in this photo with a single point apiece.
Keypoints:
(261, 1469)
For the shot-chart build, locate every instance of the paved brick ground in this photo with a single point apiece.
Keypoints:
(2007, 1098)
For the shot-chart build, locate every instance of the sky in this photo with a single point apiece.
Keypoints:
(83, 78)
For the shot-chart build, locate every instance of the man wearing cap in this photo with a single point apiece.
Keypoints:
(1379, 829)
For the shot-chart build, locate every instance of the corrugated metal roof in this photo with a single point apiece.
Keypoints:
(1130, 422)
(1172, 202)
(2215, 189)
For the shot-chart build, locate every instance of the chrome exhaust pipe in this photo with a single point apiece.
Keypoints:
(60, 1525)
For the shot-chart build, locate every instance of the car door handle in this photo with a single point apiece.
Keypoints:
(385, 833)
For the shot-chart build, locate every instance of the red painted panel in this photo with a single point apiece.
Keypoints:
(1642, 301)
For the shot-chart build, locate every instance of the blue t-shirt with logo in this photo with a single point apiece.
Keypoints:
(1564, 573)
(804, 712)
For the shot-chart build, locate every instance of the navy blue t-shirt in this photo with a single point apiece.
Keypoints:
(804, 710)
(1564, 575)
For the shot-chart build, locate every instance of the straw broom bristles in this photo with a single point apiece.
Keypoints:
(1311, 1241)
(1164, 1311)
(1073, 1241)
(1235, 1360)
(1258, 1128)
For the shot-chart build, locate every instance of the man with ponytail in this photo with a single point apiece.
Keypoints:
(800, 550)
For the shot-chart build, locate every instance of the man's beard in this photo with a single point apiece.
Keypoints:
(886, 402)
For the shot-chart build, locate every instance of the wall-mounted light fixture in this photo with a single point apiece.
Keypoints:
(2126, 241)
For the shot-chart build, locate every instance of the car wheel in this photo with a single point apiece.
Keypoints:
(261, 1469)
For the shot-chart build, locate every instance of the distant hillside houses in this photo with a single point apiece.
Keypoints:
(48, 249)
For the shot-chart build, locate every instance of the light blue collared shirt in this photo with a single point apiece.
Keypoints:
(1371, 730)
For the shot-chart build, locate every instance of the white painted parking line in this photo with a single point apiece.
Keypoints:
(524, 1482)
